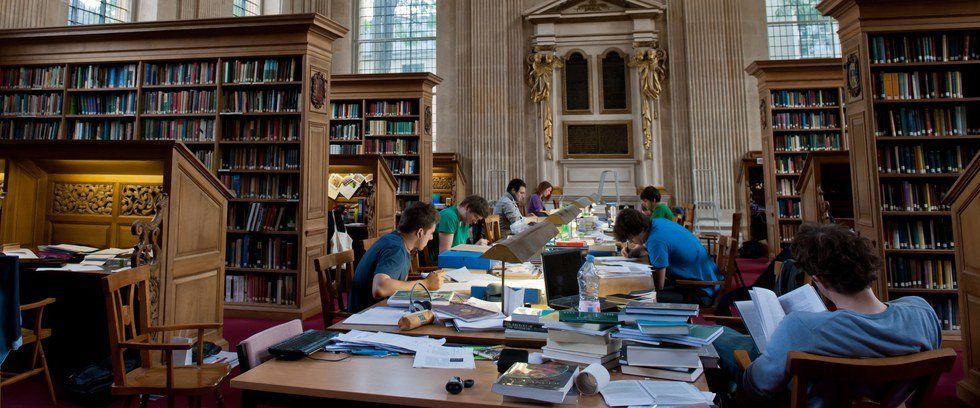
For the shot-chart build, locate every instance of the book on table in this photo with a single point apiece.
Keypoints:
(552, 322)
(598, 349)
(402, 297)
(524, 334)
(549, 382)
(763, 313)
(529, 315)
(654, 393)
(674, 374)
(575, 337)
(574, 316)
(641, 307)
(511, 324)
(467, 312)
(654, 327)
(610, 360)
(700, 335)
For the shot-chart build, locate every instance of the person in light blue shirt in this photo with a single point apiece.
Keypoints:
(672, 250)
(842, 266)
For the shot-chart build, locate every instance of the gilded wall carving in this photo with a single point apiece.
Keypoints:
(652, 65)
(83, 198)
(443, 183)
(139, 200)
(541, 65)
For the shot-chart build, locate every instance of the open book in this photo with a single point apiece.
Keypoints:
(765, 311)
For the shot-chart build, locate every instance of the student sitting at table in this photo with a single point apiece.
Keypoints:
(507, 206)
(672, 250)
(535, 204)
(652, 205)
(455, 221)
(384, 267)
(843, 267)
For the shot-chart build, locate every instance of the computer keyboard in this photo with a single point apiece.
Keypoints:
(301, 345)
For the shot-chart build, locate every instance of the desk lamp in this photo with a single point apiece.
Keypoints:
(519, 248)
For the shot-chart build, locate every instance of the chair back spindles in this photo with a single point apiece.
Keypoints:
(335, 277)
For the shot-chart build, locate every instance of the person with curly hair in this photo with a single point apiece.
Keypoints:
(842, 266)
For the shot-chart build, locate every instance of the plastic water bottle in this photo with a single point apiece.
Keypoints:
(588, 286)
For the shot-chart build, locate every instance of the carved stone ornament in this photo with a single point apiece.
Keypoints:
(318, 90)
(149, 246)
(541, 65)
(592, 6)
(852, 68)
(652, 66)
(139, 200)
(82, 199)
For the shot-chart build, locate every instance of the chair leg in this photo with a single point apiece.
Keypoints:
(47, 374)
(218, 399)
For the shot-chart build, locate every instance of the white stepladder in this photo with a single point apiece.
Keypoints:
(706, 201)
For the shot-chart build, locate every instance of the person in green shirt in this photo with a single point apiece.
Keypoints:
(454, 221)
(652, 205)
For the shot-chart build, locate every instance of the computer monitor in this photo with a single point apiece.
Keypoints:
(561, 272)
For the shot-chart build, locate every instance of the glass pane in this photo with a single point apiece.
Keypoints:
(397, 36)
(98, 11)
(614, 91)
(797, 30)
(576, 83)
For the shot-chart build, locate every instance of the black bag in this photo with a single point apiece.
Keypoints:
(90, 385)
(790, 278)
(751, 250)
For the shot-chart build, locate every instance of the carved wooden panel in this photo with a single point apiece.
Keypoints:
(598, 140)
(193, 212)
(315, 172)
(82, 198)
(139, 200)
(443, 183)
(94, 235)
(197, 296)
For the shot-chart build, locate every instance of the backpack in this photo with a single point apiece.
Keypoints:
(90, 385)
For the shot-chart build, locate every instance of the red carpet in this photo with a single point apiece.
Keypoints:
(32, 393)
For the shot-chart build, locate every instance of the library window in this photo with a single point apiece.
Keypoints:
(615, 89)
(98, 12)
(246, 8)
(797, 30)
(575, 84)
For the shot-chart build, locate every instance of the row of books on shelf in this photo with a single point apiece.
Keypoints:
(195, 130)
(345, 111)
(788, 230)
(32, 77)
(947, 311)
(347, 131)
(103, 76)
(788, 208)
(248, 251)
(397, 146)
(187, 101)
(262, 217)
(392, 108)
(31, 104)
(408, 186)
(261, 70)
(266, 129)
(907, 272)
(926, 122)
(32, 130)
(278, 290)
(262, 100)
(785, 187)
(805, 98)
(918, 85)
(906, 196)
(405, 203)
(346, 149)
(260, 158)
(262, 186)
(358, 212)
(179, 73)
(121, 103)
(790, 164)
(924, 47)
(934, 233)
(388, 127)
(805, 120)
(401, 166)
(919, 159)
(205, 156)
(807, 142)
(102, 130)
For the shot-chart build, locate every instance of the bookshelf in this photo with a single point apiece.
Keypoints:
(825, 188)
(391, 115)
(373, 204)
(801, 112)
(448, 179)
(247, 96)
(913, 103)
(750, 186)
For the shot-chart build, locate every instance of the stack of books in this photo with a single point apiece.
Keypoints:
(582, 338)
(549, 382)
(525, 323)
(658, 342)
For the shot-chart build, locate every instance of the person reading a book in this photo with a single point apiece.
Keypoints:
(383, 269)
(535, 204)
(652, 205)
(455, 221)
(507, 206)
(672, 250)
(842, 266)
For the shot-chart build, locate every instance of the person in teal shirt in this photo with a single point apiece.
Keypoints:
(652, 205)
(454, 221)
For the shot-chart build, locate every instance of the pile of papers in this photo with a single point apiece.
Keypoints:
(654, 393)
(357, 340)
(473, 315)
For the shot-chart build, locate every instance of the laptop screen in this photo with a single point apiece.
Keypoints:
(561, 272)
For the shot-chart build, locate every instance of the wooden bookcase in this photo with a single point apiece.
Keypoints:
(801, 111)
(750, 186)
(877, 64)
(448, 179)
(962, 198)
(391, 115)
(825, 188)
(247, 95)
(377, 201)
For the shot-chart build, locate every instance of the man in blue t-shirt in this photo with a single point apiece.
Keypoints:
(672, 250)
(384, 268)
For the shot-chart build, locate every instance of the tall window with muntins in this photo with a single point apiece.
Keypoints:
(246, 8)
(98, 12)
(797, 30)
(575, 84)
(615, 89)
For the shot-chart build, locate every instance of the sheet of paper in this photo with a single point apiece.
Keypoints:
(227, 357)
(73, 248)
(113, 251)
(770, 311)
(348, 187)
(75, 268)
(22, 253)
(333, 185)
(406, 342)
(471, 248)
(673, 392)
(444, 357)
(803, 298)
(625, 393)
(483, 304)
(97, 260)
(514, 298)
(381, 316)
(746, 308)
(491, 324)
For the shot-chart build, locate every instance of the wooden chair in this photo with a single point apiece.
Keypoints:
(335, 276)
(492, 223)
(725, 261)
(417, 269)
(688, 220)
(905, 379)
(34, 335)
(128, 315)
(255, 349)
(735, 235)
(368, 243)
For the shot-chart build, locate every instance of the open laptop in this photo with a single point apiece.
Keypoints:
(561, 279)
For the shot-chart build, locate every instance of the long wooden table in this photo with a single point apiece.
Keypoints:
(390, 380)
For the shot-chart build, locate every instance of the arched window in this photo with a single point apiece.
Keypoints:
(576, 84)
(614, 94)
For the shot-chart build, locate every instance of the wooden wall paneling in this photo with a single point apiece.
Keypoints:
(23, 211)
(964, 197)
